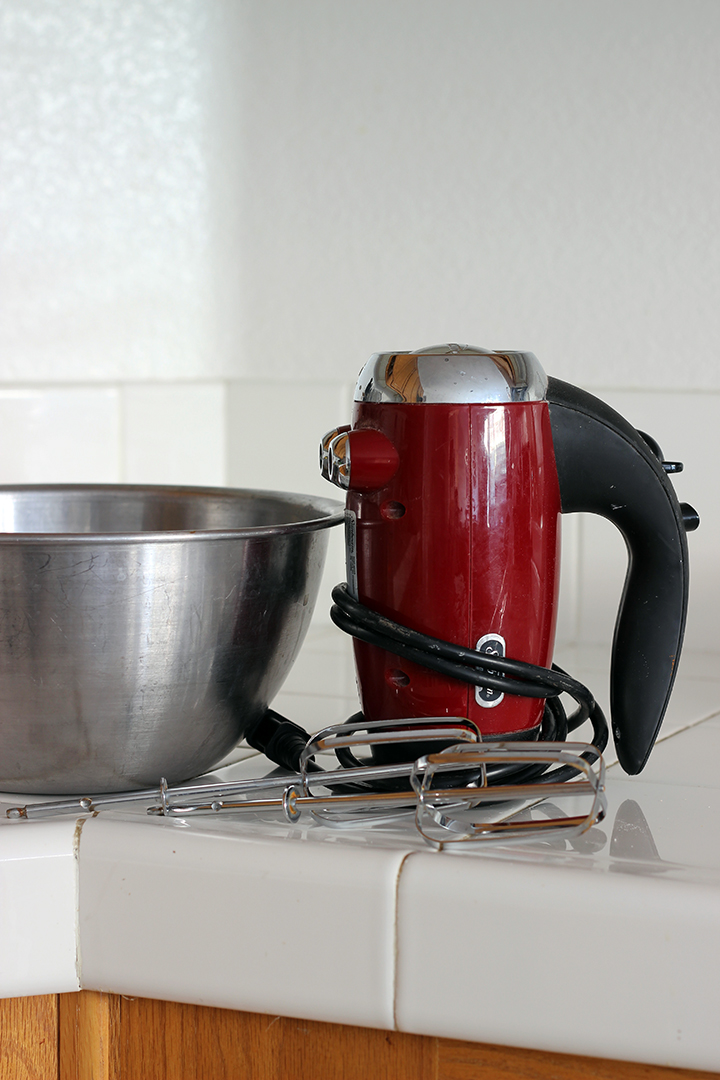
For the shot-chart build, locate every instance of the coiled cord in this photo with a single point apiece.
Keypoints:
(495, 672)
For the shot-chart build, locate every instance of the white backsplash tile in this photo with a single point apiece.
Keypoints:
(274, 431)
(174, 433)
(567, 620)
(110, 256)
(601, 573)
(59, 435)
(192, 186)
(333, 574)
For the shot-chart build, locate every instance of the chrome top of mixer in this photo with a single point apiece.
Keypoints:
(448, 374)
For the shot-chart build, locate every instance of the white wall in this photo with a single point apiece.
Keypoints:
(213, 211)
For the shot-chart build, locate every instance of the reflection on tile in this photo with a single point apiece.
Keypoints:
(50, 436)
(174, 433)
(664, 836)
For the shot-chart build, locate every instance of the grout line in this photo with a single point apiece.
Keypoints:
(225, 421)
(102, 384)
(687, 727)
(404, 859)
(227, 440)
(122, 431)
(342, 384)
(578, 569)
(76, 859)
(614, 389)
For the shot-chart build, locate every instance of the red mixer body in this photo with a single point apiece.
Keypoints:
(462, 543)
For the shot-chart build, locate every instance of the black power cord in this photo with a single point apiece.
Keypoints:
(497, 673)
(283, 741)
(279, 739)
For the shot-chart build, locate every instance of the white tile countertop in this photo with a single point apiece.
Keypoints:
(606, 945)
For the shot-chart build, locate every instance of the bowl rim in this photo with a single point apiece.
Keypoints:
(330, 513)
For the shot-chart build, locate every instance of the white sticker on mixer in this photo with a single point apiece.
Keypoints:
(351, 553)
(490, 645)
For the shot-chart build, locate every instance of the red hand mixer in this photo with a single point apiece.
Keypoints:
(457, 466)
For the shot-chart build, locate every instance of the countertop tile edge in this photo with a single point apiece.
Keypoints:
(581, 991)
(38, 928)
(248, 954)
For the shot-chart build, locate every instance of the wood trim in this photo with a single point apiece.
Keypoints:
(165, 1041)
(28, 1038)
(96, 1036)
(481, 1061)
(89, 1036)
(162, 1040)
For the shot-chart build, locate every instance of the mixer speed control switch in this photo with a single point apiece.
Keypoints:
(361, 460)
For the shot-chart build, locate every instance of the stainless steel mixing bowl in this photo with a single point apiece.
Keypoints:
(142, 630)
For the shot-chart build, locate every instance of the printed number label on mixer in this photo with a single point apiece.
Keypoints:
(490, 645)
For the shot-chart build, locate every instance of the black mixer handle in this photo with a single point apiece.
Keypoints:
(606, 467)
